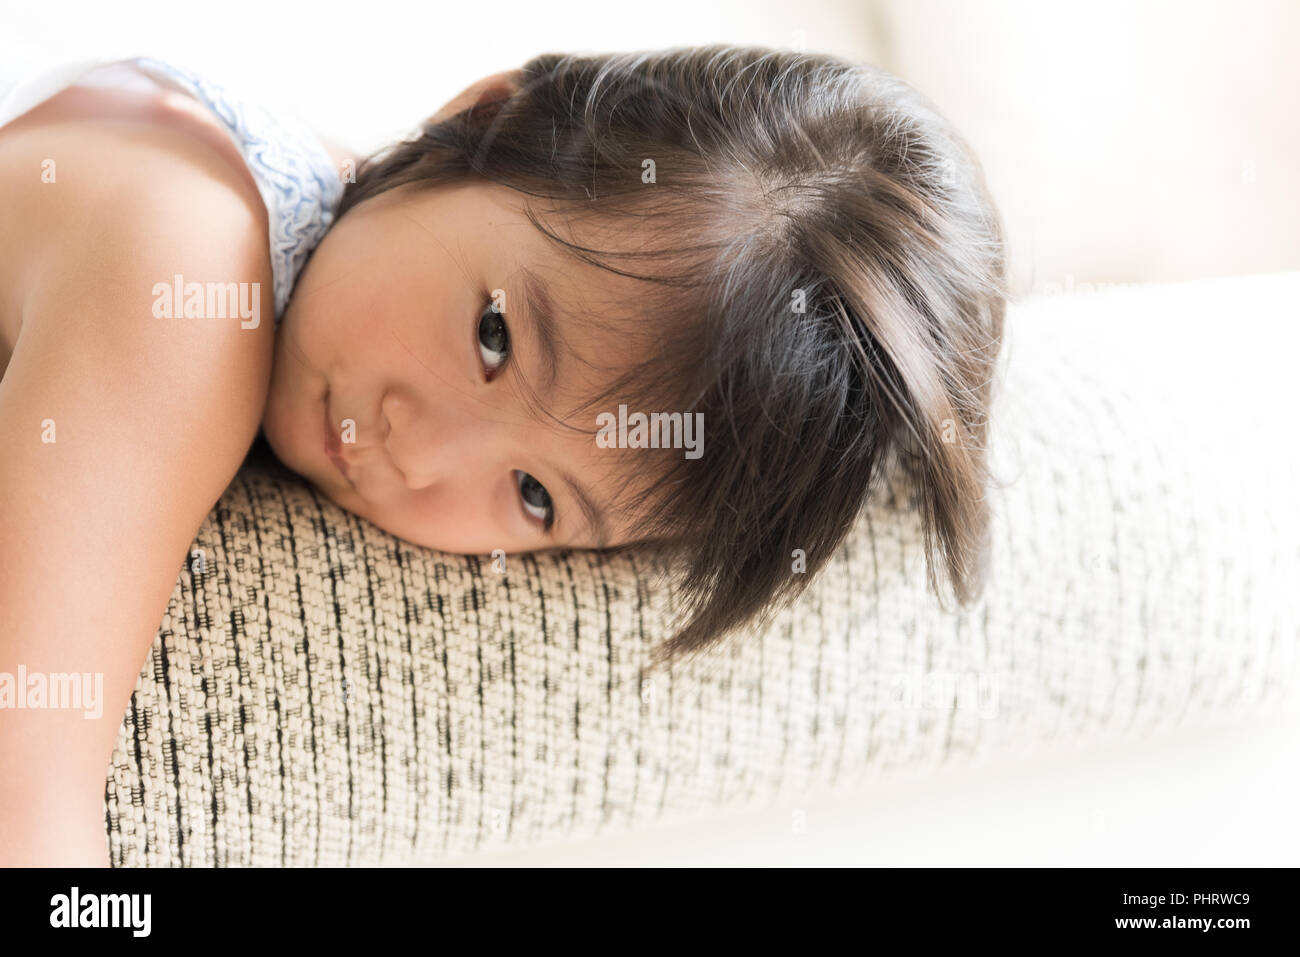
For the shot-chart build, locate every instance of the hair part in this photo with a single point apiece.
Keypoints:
(824, 279)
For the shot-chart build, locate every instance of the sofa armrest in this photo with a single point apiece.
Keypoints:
(321, 693)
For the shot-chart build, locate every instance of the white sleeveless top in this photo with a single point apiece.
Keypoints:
(293, 171)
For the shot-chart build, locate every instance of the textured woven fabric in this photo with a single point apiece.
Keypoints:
(321, 693)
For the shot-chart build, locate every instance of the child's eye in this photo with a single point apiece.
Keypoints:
(537, 502)
(493, 339)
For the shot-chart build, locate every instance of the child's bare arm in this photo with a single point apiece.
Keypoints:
(119, 431)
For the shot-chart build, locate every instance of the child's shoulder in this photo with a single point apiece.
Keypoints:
(97, 175)
(104, 148)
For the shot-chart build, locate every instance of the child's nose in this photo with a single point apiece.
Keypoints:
(436, 442)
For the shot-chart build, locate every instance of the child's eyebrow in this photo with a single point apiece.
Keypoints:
(539, 315)
(594, 515)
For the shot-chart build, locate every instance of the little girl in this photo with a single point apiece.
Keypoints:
(779, 273)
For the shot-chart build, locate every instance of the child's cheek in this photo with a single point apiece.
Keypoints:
(350, 305)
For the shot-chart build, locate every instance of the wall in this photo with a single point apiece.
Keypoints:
(1124, 141)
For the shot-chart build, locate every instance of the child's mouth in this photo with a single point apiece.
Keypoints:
(333, 444)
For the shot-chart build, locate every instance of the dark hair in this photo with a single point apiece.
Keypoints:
(830, 295)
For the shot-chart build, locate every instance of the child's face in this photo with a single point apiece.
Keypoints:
(391, 329)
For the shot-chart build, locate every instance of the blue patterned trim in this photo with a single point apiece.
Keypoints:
(294, 173)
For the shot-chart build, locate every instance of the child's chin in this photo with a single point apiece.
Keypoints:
(292, 457)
